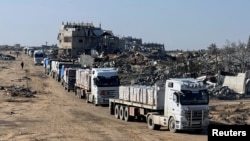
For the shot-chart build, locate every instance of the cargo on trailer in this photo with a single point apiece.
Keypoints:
(178, 104)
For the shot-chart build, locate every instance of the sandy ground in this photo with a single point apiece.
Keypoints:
(57, 115)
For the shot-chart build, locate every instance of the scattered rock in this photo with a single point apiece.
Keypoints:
(18, 91)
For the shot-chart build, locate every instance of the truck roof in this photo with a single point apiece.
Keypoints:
(186, 83)
(38, 51)
(103, 69)
(183, 80)
(108, 72)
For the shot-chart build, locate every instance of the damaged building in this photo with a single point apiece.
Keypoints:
(84, 38)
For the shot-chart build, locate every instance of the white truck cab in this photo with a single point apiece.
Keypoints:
(104, 84)
(186, 106)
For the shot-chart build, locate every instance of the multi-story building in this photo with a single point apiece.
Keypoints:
(84, 38)
(129, 43)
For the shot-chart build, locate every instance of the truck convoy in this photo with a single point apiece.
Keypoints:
(97, 85)
(179, 104)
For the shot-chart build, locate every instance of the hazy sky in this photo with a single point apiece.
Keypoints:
(178, 24)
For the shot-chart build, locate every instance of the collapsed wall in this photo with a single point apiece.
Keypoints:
(236, 83)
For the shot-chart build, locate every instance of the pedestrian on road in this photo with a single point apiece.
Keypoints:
(22, 64)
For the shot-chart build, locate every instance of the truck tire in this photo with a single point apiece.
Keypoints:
(126, 114)
(117, 111)
(151, 124)
(171, 125)
(121, 112)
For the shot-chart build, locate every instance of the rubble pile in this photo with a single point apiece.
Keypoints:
(141, 68)
(6, 57)
(18, 91)
(216, 89)
(136, 68)
(222, 92)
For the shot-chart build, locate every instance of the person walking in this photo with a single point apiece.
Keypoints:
(22, 64)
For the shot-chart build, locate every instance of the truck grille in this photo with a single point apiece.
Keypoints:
(195, 118)
(110, 94)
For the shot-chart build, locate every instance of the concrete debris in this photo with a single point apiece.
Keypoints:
(18, 91)
(135, 68)
(220, 87)
(145, 68)
(222, 92)
(6, 57)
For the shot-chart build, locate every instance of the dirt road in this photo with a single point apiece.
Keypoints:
(56, 115)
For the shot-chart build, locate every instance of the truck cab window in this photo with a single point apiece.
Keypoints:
(170, 85)
(194, 98)
(102, 81)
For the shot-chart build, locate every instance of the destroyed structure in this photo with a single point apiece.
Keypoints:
(146, 63)
(84, 38)
(76, 39)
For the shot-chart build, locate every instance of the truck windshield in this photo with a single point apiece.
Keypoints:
(102, 81)
(189, 98)
(38, 55)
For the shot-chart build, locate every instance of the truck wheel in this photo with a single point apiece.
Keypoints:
(126, 114)
(171, 125)
(121, 112)
(117, 111)
(151, 124)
